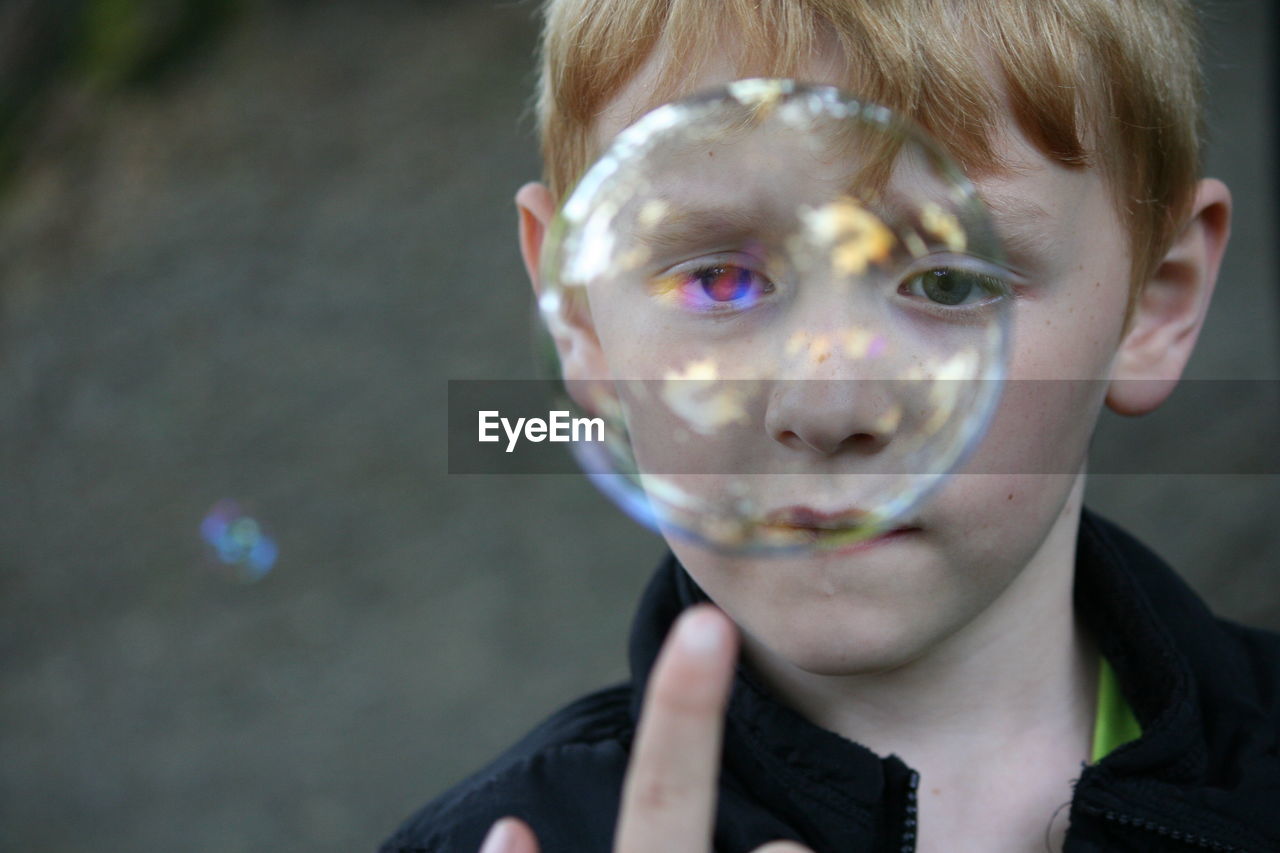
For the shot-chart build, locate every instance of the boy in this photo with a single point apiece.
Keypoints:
(1011, 673)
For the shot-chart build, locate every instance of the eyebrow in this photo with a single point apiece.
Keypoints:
(1021, 224)
(686, 227)
(1016, 209)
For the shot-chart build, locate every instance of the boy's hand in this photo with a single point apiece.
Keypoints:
(669, 796)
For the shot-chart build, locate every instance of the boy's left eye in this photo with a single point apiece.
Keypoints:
(949, 286)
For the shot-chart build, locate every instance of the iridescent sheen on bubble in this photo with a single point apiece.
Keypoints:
(237, 542)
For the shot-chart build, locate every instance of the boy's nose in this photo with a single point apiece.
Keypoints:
(829, 416)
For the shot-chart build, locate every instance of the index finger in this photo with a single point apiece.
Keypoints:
(669, 796)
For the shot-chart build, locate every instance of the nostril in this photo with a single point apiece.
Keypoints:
(862, 442)
(814, 442)
(792, 440)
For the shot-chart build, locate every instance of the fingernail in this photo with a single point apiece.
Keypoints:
(701, 632)
(499, 838)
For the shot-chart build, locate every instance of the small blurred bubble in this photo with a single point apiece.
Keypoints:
(237, 542)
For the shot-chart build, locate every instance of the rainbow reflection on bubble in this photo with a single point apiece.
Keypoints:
(238, 542)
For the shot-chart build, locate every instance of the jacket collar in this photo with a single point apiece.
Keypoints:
(1208, 753)
(1174, 664)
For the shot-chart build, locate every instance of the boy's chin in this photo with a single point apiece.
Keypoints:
(836, 651)
(865, 613)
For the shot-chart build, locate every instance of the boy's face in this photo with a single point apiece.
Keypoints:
(979, 535)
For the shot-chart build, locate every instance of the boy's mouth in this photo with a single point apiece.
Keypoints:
(806, 518)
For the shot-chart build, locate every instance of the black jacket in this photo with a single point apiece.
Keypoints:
(1205, 775)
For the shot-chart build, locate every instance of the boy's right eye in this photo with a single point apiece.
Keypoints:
(715, 288)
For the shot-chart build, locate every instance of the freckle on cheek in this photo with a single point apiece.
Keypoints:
(1010, 496)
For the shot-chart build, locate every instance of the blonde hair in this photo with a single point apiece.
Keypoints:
(1108, 83)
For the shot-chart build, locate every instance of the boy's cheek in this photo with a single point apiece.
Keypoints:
(1041, 426)
(993, 524)
(1069, 327)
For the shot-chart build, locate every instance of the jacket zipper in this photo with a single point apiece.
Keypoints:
(1160, 829)
(909, 821)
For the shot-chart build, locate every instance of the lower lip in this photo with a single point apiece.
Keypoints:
(868, 544)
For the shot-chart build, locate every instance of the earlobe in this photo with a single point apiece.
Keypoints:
(1171, 308)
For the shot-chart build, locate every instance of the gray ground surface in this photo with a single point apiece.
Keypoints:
(254, 283)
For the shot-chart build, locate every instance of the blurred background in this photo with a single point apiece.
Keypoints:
(243, 246)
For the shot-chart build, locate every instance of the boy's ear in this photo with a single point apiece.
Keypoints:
(576, 343)
(1171, 307)
(536, 208)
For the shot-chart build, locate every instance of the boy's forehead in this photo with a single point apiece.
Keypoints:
(1034, 201)
(664, 77)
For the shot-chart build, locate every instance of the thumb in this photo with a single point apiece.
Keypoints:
(783, 847)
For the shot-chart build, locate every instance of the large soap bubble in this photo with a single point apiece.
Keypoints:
(790, 309)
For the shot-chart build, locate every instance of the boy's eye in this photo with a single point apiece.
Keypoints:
(728, 283)
(949, 286)
(715, 287)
